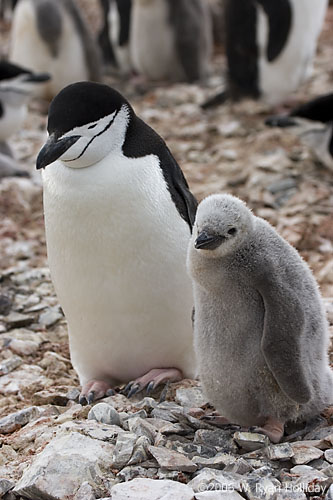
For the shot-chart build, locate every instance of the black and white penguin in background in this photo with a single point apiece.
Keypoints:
(118, 218)
(114, 36)
(17, 84)
(270, 46)
(313, 122)
(171, 39)
(50, 35)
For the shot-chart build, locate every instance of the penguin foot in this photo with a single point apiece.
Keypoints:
(273, 428)
(94, 389)
(151, 380)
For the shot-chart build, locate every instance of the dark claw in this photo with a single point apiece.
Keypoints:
(110, 392)
(83, 400)
(150, 387)
(127, 387)
(90, 398)
(134, 389)
(164, 392)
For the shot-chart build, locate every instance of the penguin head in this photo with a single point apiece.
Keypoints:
(86, 121)
(223, 222)
(17, 83)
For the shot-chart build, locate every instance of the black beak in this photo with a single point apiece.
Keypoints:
(37, 77)
(53, 149)
(208, 241)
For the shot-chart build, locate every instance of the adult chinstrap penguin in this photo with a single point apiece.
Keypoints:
(52, 36)
(270, 46)
(118, 217)
(313, 122)
(260, 331)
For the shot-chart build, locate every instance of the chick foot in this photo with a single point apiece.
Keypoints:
(273, 428)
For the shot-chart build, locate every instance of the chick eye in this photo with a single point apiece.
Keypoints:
(93, 126)
(232, 231)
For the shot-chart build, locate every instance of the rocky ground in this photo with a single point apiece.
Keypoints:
(53, 448)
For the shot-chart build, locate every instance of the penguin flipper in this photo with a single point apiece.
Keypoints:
(319, 109)
(279, 19)
(281, 342)
(186, 19)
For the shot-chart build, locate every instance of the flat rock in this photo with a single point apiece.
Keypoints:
(250, 441)
(172, 460)
(50, 317)
(329, 456)
(85, 492)
(190, 397)
(141, 427)
(150, 489)
(219, 461)
(16, 320)
(281, 451)
(27, 377)
(124, 448)
(261, 488)
(102, 412)
(65, 463)
(212, 479)
(10, 364)
(16, 420)
(304, 454)
(5, 485)
(285, 494)
(220, 439)
(218, 495)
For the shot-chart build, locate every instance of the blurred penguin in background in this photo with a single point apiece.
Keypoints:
(171, 39)
(270, 46)
(17, 84)
(114, 36)
(49, 35)
(313, 122)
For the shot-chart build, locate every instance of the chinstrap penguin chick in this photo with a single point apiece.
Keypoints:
(51, 35)
(17, 84)
(313, 122)
(171, 39)
(270, 46)
(260, 332)
(118, 218)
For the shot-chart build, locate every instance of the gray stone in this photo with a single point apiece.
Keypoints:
(140, 451)
(329, 494)
(85, 492)
(164, 414)
(303, 454)
(220, 461)
(250, 441)
(124, 448)
(133, 471)
(73, 394)
(281, 451)
(5, 486)
(261, 488)
(150, 489)
(172, 460)
(10, 364)
(191, 397)
(218, 495)
(64, 464)
(16, 320)
(170, 428)
(218, 438)
(212, 479)
(147, 404)
(328, 471)
(285, 494)
(26, 377)
(50, 317)
(329, 456)
(240, 466)
(16, 420)
(190, 449)
(93, 429)
(141, 427)
(308, 479)
(23, 347)
(104, 413)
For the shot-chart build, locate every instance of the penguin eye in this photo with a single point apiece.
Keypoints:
(232, 231)
(92, 126)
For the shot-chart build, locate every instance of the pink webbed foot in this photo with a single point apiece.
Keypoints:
(152, 379)
(273, 428)
(94, 389)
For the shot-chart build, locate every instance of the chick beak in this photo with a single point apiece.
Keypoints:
(53, 149)
(208, 241)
